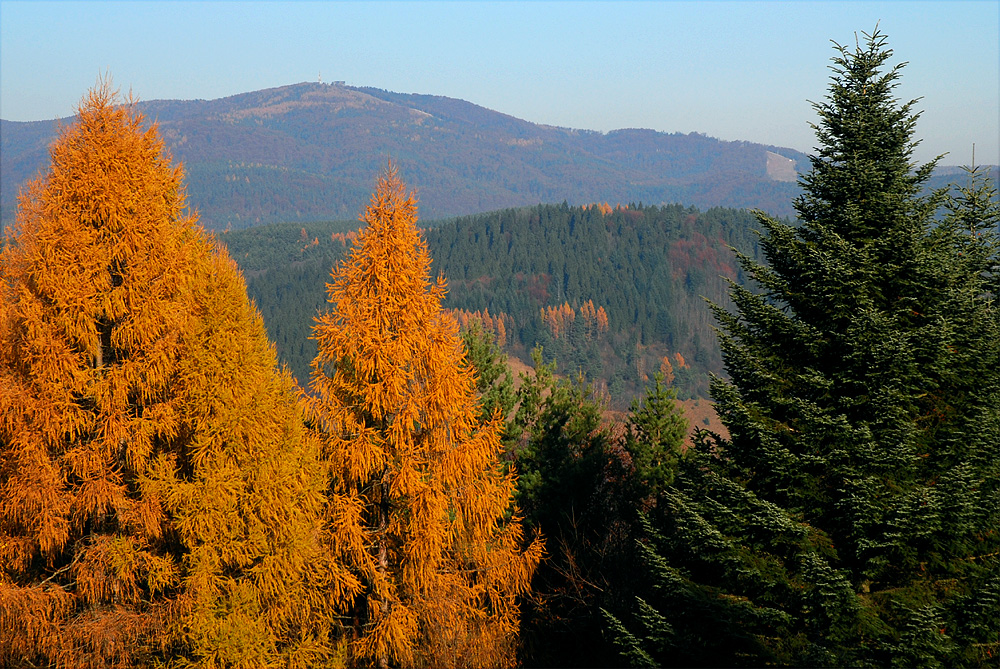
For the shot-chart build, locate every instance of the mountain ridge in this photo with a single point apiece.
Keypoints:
(310, 152)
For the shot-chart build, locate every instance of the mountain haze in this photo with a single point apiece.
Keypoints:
(310, 151)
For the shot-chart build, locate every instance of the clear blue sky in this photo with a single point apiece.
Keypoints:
(732, 70)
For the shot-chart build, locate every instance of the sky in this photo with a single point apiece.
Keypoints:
(732, 70)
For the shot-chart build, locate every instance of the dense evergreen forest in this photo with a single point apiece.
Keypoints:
(649, 269)
(170, 495)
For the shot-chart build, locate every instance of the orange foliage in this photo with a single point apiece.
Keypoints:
(159, 499)
(560, 319)
(602, 207)
(501, 333)
(681, 362)
(595, 320)
(344, 237)
(602, 320)
(420, 504)
(496, 324)
(667, 370)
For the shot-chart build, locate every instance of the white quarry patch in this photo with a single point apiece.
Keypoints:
(780, 168)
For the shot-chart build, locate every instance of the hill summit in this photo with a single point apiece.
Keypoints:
(308, 151)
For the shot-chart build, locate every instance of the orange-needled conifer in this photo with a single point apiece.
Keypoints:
(422, 507)
(160, 500)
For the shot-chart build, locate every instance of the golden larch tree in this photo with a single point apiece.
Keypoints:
(160, 500)
(421, 505)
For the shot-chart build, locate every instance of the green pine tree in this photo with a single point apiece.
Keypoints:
(494, 378)
(729, 579)
(865, 375)
(655, 437)
(862, 405)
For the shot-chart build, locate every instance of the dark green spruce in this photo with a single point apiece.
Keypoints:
(853, 516)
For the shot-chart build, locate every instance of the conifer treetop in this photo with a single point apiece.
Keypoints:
(863, 178)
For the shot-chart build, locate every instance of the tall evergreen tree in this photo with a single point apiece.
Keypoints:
(160, 501)
(865, 386)
(419, 501)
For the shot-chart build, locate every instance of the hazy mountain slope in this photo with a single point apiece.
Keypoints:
(24, 151)
(311, 152)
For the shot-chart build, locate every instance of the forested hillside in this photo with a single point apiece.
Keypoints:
(540, 272)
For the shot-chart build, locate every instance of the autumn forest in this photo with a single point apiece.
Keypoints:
(267, 449)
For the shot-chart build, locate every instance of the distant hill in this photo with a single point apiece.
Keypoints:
(311, 152)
